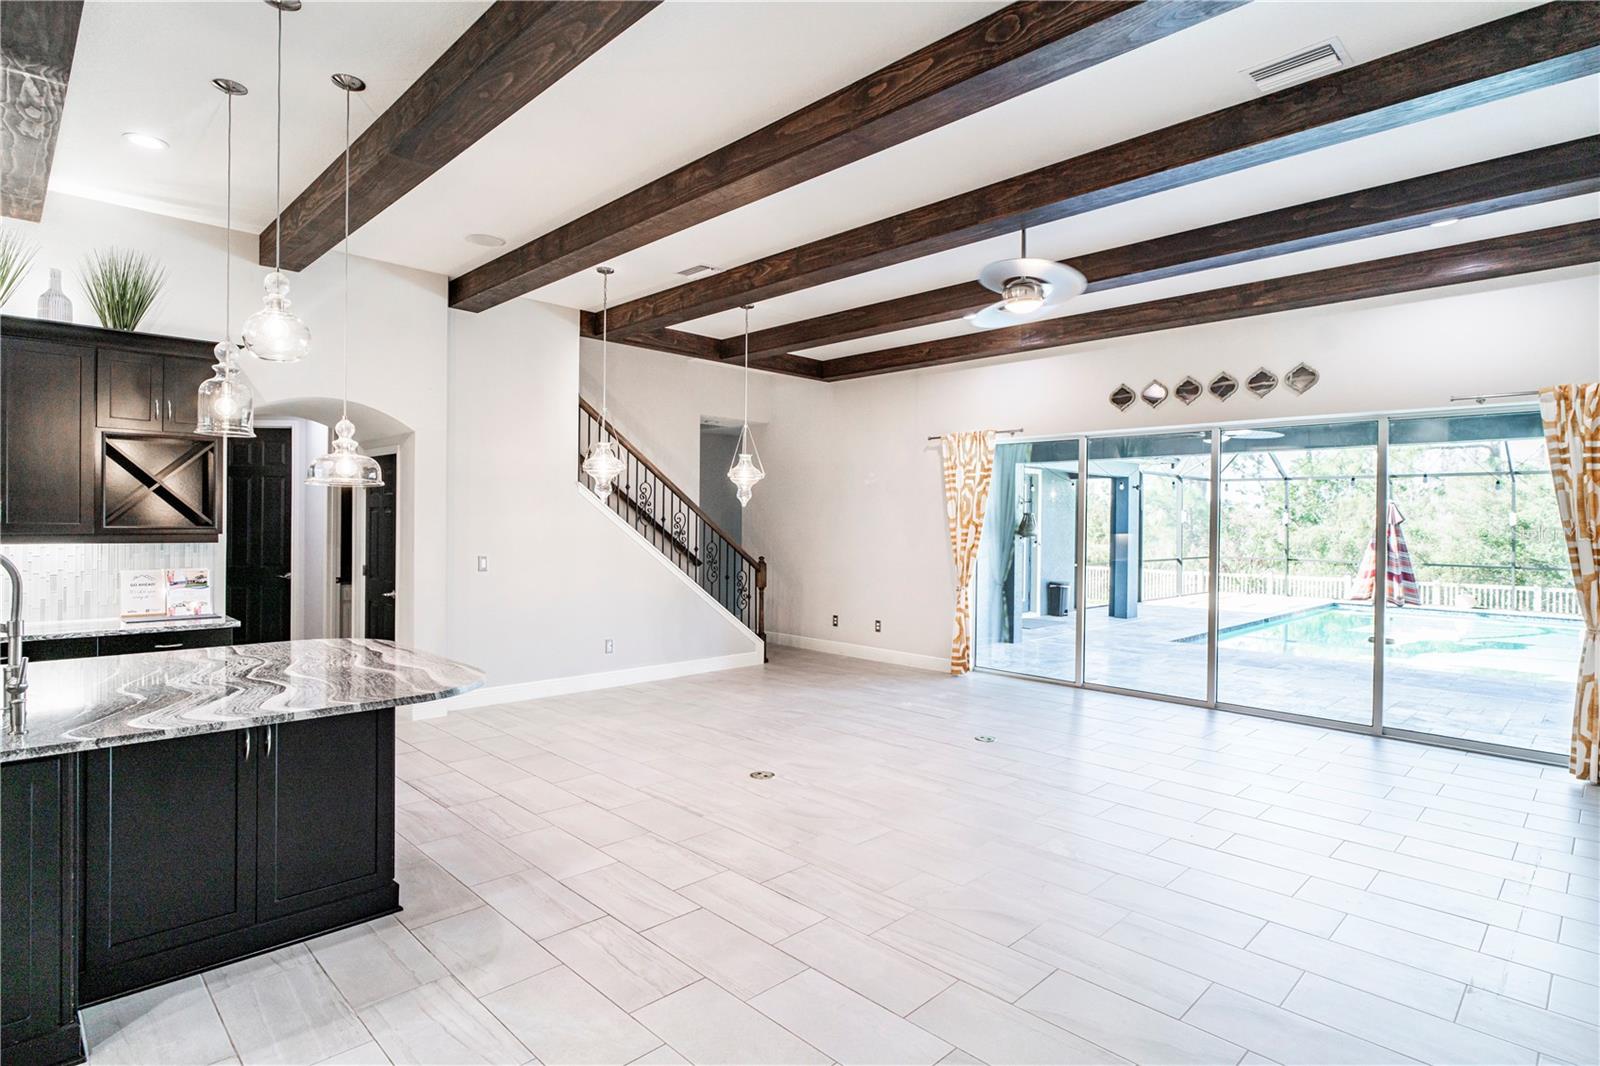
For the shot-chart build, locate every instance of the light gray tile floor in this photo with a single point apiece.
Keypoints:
(1112, 880)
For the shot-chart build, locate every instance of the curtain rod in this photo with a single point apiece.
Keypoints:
(1012, 432)
(1495, 396)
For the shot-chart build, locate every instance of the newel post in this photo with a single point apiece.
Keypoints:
(761, 603)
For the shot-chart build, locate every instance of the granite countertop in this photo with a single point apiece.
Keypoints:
(116, 627)
(82, 704)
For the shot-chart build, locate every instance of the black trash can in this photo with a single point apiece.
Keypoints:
(1057, 599)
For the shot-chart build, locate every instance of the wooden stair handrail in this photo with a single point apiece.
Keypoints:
(632, 449)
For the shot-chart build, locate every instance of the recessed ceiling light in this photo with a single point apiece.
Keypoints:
(147, 141)
(485, 240)
(1444, 222)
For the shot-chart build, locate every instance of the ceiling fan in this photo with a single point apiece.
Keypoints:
(1026, 287)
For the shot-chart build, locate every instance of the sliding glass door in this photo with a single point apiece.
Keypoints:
(1404, 575)
(1484, 647)
(1028, 562)
(1295, 627)
(1149, 546)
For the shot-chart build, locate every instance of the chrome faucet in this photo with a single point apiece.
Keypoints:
(16, 679)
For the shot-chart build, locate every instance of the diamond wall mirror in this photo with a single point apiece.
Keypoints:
(1154, 394)
(1224, 385)
(1122, 397)
(1262, 382)
(1188, 390)
(1301, 377)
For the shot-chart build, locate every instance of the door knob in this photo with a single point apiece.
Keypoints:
(388, 595)
(286, 574)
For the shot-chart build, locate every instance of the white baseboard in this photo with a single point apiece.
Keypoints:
(863, 651)
(562, 686)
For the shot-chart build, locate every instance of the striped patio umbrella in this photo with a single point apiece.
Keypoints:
(1400, 582)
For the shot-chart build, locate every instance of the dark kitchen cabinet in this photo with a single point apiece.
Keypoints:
(127, 389)
(147, 390)
(180, 391)
(47, 438)
(133, 643)
(38, 947)
(98, 436)
(205, 849)
(324, 812)
(157, 485)
(169, 870)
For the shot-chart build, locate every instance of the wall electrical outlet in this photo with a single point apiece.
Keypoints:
(610, 647)
(836, 621)
(877, 625)
(483, 564)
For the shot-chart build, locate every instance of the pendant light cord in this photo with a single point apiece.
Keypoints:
(345, 409)
(227, 234)
(747, 369)
(277, 192)
(605, 350)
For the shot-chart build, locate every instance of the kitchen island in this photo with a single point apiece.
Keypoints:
(167, 813)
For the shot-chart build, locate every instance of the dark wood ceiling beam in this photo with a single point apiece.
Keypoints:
(695, 346)
(1528, 50)
(37, 40)
(512, 53)
(1520, 253)
(1017, 49)
(1543, 174)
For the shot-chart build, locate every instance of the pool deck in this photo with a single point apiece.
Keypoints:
(1149, 653)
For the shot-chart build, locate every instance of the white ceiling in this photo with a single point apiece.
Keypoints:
(692, 76)
(147, 67)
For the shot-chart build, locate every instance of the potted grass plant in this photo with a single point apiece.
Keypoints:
(121, 286)
(16, 256)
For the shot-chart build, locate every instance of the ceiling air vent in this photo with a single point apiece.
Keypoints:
(698, 268)
(1308, 63)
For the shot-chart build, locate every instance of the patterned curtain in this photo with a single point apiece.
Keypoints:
(1572, 431)
(968, 466)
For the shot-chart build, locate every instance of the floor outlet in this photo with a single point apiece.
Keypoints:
(836, 621)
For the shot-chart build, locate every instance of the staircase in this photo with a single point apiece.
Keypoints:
(664, 515)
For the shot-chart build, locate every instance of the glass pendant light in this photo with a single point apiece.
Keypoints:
(746, 469)
(603, 465)
(226, 402)
(344, 466)
(276, 333)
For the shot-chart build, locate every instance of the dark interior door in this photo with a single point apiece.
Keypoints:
(379, 564)
(260, 494)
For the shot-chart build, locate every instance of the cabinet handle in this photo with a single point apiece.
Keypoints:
(247, 745)
(269, 740)
(155, 409)
(169, 410)
(166, 647)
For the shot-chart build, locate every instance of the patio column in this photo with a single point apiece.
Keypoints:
(1125, 514)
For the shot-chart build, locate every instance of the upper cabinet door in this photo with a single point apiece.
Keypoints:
(181, 378)
(128, 392)
(46, 439)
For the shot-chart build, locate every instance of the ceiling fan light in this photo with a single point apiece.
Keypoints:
(1023, 296)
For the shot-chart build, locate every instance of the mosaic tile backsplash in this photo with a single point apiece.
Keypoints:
(67, 582)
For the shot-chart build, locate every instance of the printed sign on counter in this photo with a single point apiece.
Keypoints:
(152, 594)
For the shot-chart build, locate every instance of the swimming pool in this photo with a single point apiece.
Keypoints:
(1453, 641)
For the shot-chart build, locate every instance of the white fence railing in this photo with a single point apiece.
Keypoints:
(1161, 582)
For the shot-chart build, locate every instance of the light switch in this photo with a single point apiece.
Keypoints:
(483, 564)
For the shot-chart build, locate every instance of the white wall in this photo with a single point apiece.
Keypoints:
(658, 402)
(564, 574)
(398, 350)
(851, 515)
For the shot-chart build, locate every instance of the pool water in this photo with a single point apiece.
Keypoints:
(1453, 641)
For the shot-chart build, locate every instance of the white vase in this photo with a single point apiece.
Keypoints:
(53, 303)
